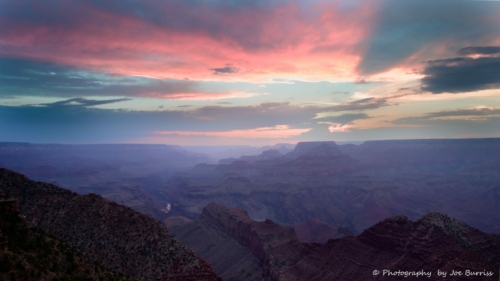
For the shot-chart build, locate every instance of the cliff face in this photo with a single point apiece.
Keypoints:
(113, 235)
(260, 250)
(255, 236)
(434, 242)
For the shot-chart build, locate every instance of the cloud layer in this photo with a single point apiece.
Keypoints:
(190, 39)
(174, 71)
(464, 74)
(481, 114)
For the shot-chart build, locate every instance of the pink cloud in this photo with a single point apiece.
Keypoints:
(320, 42)
(276, 132)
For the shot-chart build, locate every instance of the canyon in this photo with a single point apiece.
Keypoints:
(321, 211)
(353, 186)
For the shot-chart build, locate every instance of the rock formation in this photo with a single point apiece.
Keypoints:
(434, 242)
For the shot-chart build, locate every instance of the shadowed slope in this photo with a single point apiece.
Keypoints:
(28, 253)
(113, 235)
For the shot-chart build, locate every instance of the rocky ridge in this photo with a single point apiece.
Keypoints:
(433, 242)
(110, 234)
(28, 253)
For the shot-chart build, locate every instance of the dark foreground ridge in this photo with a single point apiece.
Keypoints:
(268, 251)
(28, 253)
(108, 233)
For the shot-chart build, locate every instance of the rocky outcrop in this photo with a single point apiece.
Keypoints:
(304, 148)
(113, 235)
(397, 244)
(315, 158)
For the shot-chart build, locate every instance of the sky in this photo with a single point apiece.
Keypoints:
(248, 72)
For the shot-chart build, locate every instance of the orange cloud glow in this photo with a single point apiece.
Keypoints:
(276, 132)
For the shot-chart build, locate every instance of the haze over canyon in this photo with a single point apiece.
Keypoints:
(396, 204)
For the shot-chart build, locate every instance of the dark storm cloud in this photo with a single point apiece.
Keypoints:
(473, 112)
(228, 69)
(485, 50)
(344, 118)
(404, 27)
(464, 74)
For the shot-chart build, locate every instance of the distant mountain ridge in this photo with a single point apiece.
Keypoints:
(111, 234)
(419, 151)
(264, 156)
(353, 185)
(307, 158)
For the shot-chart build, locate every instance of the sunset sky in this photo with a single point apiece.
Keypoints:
(249, 72)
